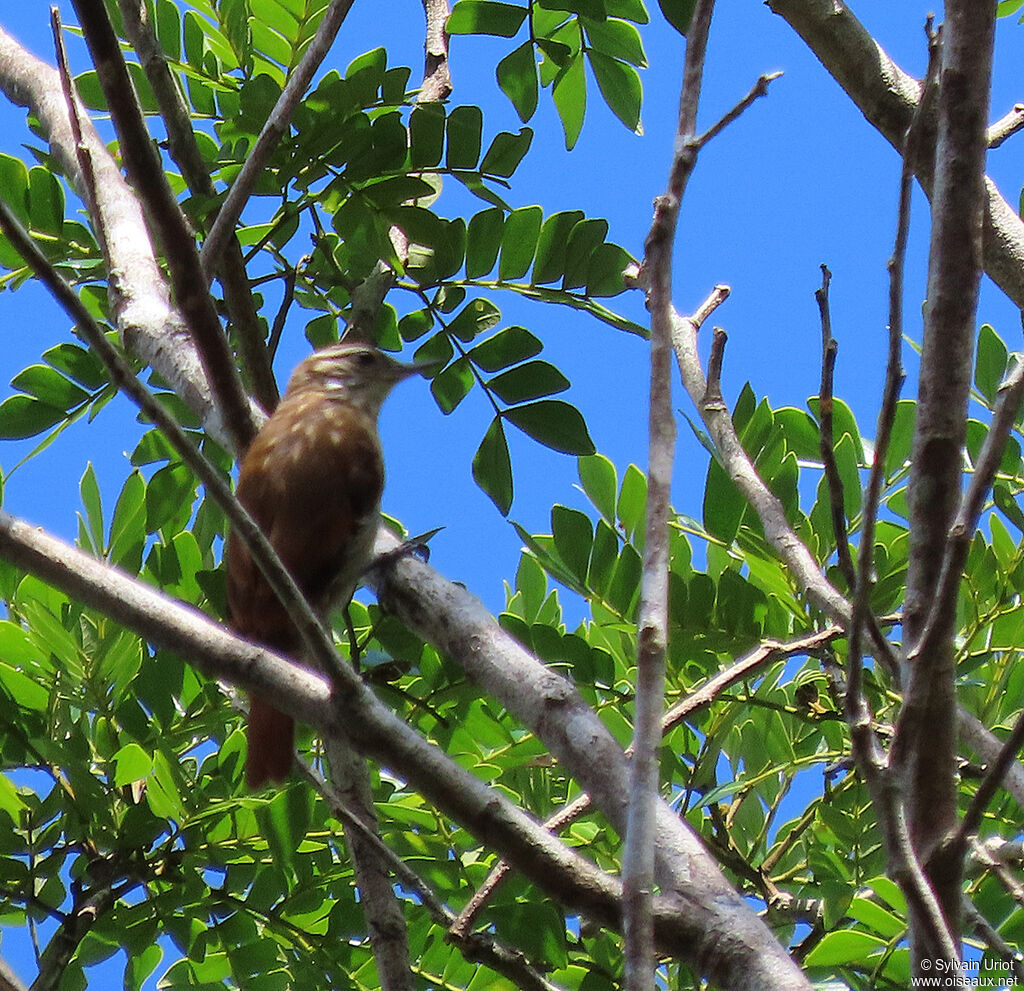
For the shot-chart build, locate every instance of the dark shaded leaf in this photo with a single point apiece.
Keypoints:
(492, 467)
(554, 424)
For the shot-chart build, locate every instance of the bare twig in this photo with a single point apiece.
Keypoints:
(713, 392)
(147, 175)
(993, 780)
(270, 136)
(829, 347)
(760, 88)
(277, 328)
(437, 80)
(652, 624)
(1006, 126)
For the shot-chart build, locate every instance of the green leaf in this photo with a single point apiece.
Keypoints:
(23, 416)
(464, 128)
(49, 386)
(414, 325)
(621, 88)
(483, 241)
(128, 528)
(168, 28)
(451, 385)
(531, 380)
(426, 135)
(616, 38)
(632, 508)
(845, 946)
(477, 317)
(492, 467)
(46, 201)
(78, 364)
(506, 152)
(519, 242)
(723, 504)
(606, 274)
(990, 365)
(597, 476)
(569, 91)
(140, 966)
(286, 818)
(90, 491)
(517, 77)
(678, 13)
(14, 186)
(131, 763)
(584, 239)
(573, 534)
(486, 17)
(169, 495)
(554, 424)
(505, 348)
(552, 246)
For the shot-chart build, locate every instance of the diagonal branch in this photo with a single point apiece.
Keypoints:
(145, 170)
(270, 136)
(350, 708)
(184, 149)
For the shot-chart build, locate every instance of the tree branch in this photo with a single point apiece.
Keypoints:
(149, 326)
(146, 173)
(270, 136)
(353, 708)
(829, 347)
(652, 623)
(184, 149)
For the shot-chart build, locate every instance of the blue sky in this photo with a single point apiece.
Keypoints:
(800, 180)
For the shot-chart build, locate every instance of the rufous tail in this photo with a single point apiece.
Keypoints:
(271, 744)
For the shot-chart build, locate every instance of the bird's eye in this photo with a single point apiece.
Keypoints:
(366, 358)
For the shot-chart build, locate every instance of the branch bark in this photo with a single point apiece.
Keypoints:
(652, 623)
(924, 749)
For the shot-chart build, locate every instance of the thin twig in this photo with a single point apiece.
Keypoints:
(760, 88)
(652, 623)
(695, 701)
(994, 774)
(277, 328)
(713, 392)
(826, 440)
(272, 132)
(1006, 127)
(147, 175)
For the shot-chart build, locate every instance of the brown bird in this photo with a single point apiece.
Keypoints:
(312, 479)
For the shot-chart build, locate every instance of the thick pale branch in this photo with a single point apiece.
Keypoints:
(887, 96)
(353, 709)
(149, 326)
(145, 170)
